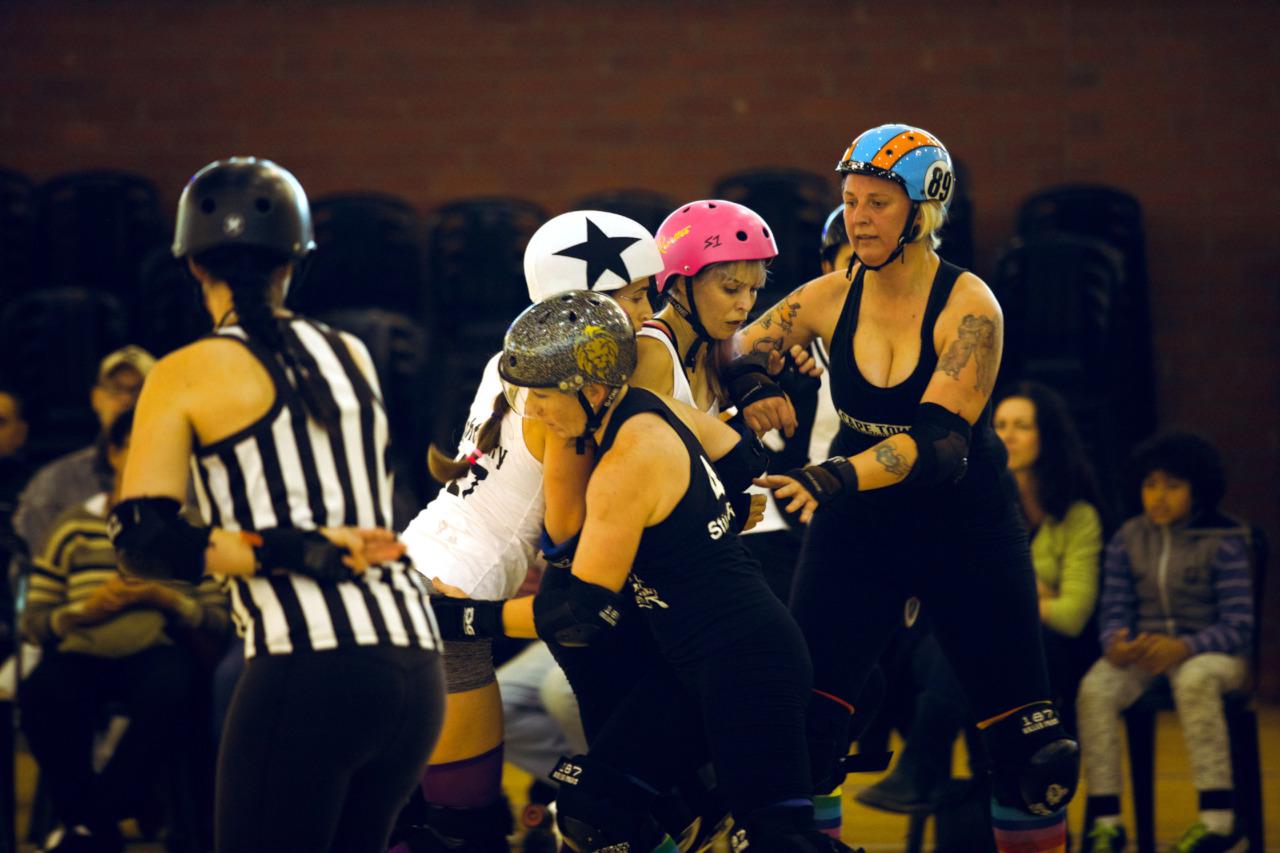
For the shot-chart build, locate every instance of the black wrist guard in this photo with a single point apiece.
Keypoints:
(827, 479)
(306, 552)
(747, 380)
(465, 619)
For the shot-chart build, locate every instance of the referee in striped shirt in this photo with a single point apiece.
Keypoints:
(282, 420)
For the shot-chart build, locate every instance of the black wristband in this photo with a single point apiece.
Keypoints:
(467, 619)
(827, 479)
(306, 552)
(746, 379)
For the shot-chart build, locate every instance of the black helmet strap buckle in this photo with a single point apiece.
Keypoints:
(594, 417)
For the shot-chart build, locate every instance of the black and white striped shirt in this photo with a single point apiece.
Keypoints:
(288, 470)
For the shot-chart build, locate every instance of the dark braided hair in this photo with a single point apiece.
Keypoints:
(446, 470)
(248, 271)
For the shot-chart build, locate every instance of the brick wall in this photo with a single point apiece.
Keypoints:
(1173, 102)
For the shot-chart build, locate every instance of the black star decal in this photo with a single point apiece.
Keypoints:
(602, 253)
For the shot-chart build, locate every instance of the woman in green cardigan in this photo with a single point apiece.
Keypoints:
(1064, 512)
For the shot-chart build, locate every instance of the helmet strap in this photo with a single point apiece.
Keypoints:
(594, 418)
(297, 275)
(690, 316)
(903, 238)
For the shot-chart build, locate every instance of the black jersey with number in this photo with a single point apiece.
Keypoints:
(869, 413)
(699, 586)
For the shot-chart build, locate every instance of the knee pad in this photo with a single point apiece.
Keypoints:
(599, 808)
(1036, 765)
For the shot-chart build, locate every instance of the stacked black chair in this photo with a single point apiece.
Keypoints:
(399, 347)
(167, 311)
(796, 204)
(475, 266)
(1058, 292)
(369, 252)
(54, 339)
(17, 234)
(644, 206)
(1114, 218)
(95, 228)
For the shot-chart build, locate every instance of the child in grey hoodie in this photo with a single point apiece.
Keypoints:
(1177, 600)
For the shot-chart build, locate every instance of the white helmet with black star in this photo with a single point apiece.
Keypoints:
(588, 250)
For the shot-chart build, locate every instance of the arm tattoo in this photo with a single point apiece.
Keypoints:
(977, 338)
(891, 460)
(767, 345)
(784, 313)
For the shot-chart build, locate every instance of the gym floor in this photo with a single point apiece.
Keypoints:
(879, 831)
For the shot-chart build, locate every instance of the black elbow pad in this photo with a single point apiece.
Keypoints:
(154, 541)
(576, 613)
(942, 446)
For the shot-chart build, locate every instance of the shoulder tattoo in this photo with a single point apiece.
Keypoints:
(975, 338)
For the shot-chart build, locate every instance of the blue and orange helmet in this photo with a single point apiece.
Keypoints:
(909, 156)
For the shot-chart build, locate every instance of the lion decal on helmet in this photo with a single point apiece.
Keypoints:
(596, 352)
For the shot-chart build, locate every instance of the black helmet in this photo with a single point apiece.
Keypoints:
(243, 201)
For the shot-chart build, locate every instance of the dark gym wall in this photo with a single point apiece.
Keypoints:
(1176, 103)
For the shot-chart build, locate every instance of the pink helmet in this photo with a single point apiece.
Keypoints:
(711, 232)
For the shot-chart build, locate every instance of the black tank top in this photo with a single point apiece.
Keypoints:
(691, 576)
(868, 413)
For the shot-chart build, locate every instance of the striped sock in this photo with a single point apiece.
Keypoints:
(828, 814)
(1019, 832)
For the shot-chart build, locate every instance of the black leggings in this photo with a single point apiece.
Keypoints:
(964, 552)
(322, 749)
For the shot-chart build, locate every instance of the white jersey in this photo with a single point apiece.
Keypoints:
(683, 391)
(826, 423)
(481, 531)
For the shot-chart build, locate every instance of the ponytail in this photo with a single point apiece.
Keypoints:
(248, 271)
(446, 470)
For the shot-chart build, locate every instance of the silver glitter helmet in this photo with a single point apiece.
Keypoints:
(566, 342)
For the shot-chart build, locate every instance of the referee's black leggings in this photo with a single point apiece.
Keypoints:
(322, 749)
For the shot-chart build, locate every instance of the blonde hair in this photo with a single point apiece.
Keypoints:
(929, 221)
(750, 273)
